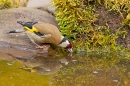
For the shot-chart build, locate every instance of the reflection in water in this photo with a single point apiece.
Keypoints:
(94, 71)
(45, 64)
(91, 69)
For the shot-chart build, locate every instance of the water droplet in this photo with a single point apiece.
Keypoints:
(9, 64)
(115, 80)
(48, 70)
(74, 60)
(95, 72)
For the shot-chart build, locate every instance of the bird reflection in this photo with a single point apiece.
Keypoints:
(47, 64)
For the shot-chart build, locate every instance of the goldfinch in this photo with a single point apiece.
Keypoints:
(40, 32)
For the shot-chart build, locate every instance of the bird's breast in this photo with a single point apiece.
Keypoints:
(34, 37)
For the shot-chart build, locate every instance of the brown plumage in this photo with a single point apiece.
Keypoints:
(53, 34)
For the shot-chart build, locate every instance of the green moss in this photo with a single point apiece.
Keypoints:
(77, 20)
(6, 4)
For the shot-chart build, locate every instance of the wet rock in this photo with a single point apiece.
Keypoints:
(11, 51)
(19, 44)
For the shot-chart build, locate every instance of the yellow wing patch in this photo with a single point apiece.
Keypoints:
(31, 30)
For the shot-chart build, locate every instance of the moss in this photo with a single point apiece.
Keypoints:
(77, 20)
(6, 4)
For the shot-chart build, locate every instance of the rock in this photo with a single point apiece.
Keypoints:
(19, 44)
(45, 4)
(22, 3)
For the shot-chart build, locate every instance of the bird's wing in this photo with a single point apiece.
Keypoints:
(40, 32)
(27, 24)
(45, 35)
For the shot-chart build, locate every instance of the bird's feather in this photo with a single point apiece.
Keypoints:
(27, 24)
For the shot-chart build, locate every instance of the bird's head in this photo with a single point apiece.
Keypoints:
(65, 43)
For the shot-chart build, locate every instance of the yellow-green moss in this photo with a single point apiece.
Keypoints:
(6, 4)
(77, 19)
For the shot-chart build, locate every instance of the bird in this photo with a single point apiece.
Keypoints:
(41, 32)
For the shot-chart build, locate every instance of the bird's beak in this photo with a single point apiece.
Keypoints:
(70, 50)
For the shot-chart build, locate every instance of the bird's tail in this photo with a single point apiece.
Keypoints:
(16, 31)
(27, 24)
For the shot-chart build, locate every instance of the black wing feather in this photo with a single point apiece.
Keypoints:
(28, 24)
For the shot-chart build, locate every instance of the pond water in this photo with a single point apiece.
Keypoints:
(104, 69)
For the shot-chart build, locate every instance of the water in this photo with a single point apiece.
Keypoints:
(63, 70)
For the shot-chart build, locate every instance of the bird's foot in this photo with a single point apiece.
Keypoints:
(45, 48)
(40, 47)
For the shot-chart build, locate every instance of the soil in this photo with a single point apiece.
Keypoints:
(113, 20)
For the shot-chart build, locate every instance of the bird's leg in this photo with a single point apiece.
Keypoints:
(44, 47)
(38, 46)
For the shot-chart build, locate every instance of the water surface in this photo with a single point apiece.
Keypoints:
(104, 69)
